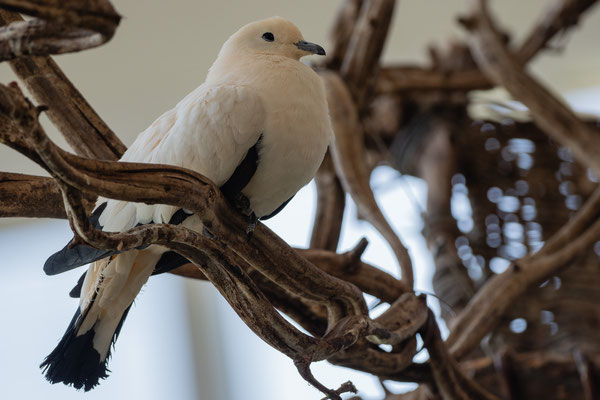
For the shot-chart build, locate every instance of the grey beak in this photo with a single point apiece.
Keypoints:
(313, 48)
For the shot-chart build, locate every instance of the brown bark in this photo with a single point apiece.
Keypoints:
(348, 158)
(61, 27)
(331, 201)
(83, 129)
(347, 314)
(553, 116)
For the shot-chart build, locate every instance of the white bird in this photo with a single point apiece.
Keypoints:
(258, 126)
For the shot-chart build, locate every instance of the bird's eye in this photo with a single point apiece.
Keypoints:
(268, 36)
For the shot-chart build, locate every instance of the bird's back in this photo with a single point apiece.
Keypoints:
(209, 131)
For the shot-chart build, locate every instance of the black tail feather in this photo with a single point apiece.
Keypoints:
(74, 361)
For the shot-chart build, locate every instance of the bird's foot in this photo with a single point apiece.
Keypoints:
(242, 204)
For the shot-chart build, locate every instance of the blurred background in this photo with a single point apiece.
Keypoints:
(181, 339)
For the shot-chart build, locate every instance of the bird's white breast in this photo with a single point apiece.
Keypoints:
(296, 135)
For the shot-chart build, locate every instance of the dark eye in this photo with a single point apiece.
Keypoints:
(268, 36)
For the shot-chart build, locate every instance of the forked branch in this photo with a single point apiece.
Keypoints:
(348, 321)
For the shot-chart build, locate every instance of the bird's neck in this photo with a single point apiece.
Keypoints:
(250, 70)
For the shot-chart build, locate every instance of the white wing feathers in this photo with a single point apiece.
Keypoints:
(209, 131)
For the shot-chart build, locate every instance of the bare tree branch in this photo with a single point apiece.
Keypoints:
(65, 26)
(451, 381)
(482, 313)
(341, 32)
(83, 129)
(31, 196)
(348, 157)
(331, 202)
(559, 16)
(348, 321)
(437, 164)
(403, 79)
(366, 45)
(552, 115)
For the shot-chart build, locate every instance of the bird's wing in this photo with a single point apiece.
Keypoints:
(277, 210)
(214, 131)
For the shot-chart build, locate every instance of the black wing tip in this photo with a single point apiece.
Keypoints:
(76, 291)
(74, 257)
(50, 267)
(69, 258)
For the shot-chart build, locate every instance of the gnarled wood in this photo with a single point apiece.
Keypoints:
(83, 129)
(331, 201)
(64, 27)
(348, 158)
(553, 116)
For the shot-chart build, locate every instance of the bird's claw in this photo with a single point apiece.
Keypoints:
(242, 204)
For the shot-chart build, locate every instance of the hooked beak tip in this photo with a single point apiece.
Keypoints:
(311, 47)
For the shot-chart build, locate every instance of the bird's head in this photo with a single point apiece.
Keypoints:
(272, 36)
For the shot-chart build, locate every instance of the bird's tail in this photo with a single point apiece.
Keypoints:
(76, 360)
(108, 290)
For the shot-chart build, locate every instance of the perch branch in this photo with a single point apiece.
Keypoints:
(36, 196)
(347, 315)
(226, 270)
(31, 196)
(349, 267)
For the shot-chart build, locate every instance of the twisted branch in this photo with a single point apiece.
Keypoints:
(484, 310)
(347, 314)
(331, 202)
(266, 272)
(82, 127)
(349, 162)
(553, 116)
(64, 26)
